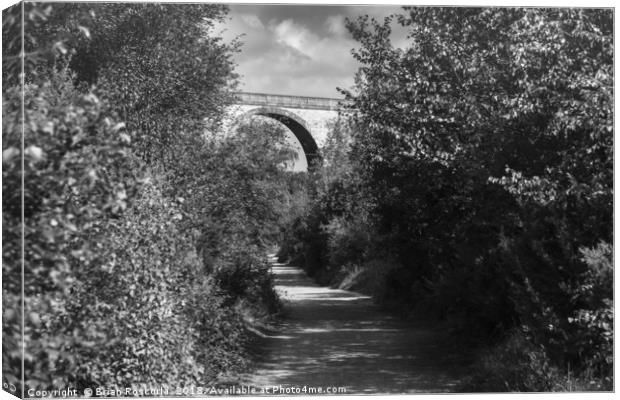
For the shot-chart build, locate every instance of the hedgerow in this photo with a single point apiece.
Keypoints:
(145, 225)
(478, 161)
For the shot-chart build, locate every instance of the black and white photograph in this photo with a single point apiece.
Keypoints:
(220, 199)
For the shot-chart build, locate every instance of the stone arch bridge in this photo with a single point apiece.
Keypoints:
(307, 118)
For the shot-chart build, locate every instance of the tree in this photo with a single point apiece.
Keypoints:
(116, 127)
(486, 147)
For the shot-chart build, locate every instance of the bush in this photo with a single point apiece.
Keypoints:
(105, 258)
(487, 175)
(513, 366)
(368, 278)
(592, 341)
(79, 173)
(243, 274)
(516, 365)
(130, 275)
(140, 293)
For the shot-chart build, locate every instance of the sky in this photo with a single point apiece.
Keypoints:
(302, 50)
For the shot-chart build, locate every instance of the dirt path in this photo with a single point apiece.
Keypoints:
(329, 337)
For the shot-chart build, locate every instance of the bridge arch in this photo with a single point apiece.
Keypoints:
(295, 124)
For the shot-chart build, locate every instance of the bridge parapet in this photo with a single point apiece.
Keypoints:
(301, 102)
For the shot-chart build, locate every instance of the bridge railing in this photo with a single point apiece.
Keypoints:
(278, 100)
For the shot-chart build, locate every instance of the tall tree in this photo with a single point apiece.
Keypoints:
(487, 146)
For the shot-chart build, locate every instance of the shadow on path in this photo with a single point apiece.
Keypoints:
(330, 337)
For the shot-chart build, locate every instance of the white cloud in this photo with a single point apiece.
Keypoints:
(335, 25)
(298, 51)
(252, 21)
(294, 35)
(324, 50)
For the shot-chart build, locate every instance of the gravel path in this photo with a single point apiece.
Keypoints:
(337, 338)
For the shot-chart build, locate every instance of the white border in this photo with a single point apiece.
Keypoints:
(473, 3)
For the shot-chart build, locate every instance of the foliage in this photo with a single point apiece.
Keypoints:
(480, 159)
(236, 198)
(145, 224)
(163, 65)
(78, 173)
(515, 366)
(37, 48)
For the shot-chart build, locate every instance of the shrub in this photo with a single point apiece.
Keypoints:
(512, 366)
(243, 274)
(591, 341)
(116, 291)
(79, 173)
(487, 175)
(140, 293)
(368, 278)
